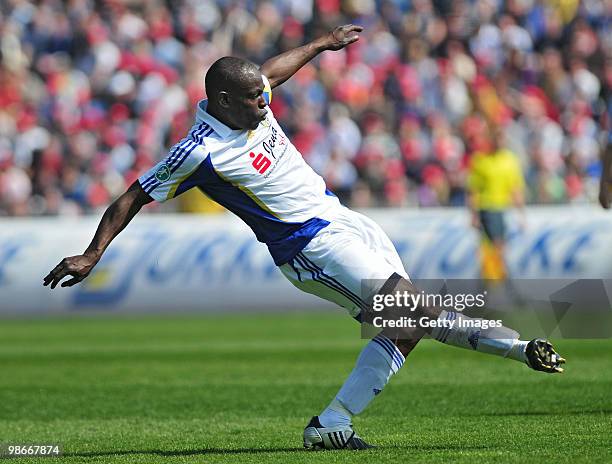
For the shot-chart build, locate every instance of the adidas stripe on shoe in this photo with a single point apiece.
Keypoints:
(317, 437)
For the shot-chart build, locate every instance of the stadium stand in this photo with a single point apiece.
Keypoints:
(93, 93)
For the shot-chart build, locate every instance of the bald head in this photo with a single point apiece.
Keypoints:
(228, 72)
(235, 93)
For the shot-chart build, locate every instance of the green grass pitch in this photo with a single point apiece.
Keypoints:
(240, 388)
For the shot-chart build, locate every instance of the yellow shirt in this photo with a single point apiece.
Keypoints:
(493, 178)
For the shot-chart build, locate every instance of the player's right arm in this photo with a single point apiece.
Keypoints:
(166, 180)
(116, 217)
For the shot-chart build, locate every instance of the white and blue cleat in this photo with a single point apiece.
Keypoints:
(317, 437)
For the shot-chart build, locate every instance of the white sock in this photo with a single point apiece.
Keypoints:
(378, 361)
(517, 352)
(467, 332)
(335, 414)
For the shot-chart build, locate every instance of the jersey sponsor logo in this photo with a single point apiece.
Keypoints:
(163, 173)
(261, 163)
(273, 141)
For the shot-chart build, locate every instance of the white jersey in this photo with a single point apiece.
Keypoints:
(258, 175)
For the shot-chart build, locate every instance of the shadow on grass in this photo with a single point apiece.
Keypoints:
(586, 412)
(448, 447)
(412, 447)
(205, 451)
(192, 452)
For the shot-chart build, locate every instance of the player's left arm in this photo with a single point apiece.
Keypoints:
(281, 67)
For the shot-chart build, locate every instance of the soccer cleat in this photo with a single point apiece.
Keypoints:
(317, 437)
(541, 356)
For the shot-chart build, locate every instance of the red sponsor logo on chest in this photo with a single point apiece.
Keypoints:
(261, 163)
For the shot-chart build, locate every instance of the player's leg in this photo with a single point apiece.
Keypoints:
(456, 329)
(502, 341)
(334, 266)
(378, 361)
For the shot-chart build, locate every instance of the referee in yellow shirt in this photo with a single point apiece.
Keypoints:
(495, 183)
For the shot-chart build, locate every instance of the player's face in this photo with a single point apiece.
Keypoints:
(246, 104)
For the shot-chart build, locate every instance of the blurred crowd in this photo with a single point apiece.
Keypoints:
(92, 93)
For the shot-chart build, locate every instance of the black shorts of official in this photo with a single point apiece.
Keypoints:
(493, 224)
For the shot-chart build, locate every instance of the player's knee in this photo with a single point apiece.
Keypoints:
(407, 344)
(388, 311)
(400, 287)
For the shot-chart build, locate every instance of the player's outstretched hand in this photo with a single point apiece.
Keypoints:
(342, 36)
(78, 267)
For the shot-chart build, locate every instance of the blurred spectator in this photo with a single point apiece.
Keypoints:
(93, 93)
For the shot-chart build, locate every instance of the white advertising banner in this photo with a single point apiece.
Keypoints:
(181, 262)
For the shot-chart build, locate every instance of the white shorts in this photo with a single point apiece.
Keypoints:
(334, 265)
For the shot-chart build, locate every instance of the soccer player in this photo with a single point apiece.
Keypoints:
(239, 156)
(495, 183)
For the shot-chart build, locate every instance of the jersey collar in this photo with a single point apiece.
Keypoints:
(218, 126)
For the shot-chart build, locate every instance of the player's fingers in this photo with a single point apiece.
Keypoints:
(59, 277)
(47, 280)
(56, 280)
(71, 282)
(58, 270)
(54, 277)
(351, 30)
(51, 276)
